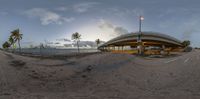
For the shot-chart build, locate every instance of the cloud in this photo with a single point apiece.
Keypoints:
(190, 27)
(123, 12)
(63, 39)
(47, 17)
(112, 29)
(69, 19)
(84, 7)
(62, 8)
(79, 7)
(105, 24)
(187, 34)
(120, 30)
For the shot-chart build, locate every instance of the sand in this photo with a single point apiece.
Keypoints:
(100, 76)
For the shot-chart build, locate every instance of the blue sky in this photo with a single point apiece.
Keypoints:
(49, 20)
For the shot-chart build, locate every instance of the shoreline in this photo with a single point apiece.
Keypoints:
(60, 56)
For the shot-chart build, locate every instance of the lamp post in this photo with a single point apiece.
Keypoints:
(140, 23)
(139, 40)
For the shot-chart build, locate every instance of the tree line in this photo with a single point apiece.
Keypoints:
(16, 37)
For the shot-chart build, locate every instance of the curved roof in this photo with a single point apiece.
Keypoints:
(146, 36)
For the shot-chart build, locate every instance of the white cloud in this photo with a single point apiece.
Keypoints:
(63, 39)
(84, 7)
(100, 28)
(47, 17)
(105, 24)
(112, 29)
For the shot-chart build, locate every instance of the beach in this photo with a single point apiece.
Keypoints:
(100, 76)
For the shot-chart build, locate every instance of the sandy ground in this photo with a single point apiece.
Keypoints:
(100, 76)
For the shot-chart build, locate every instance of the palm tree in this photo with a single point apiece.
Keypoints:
(76, 37)
(17, 37)
(97, 42)
(12, 42)
(6, 45)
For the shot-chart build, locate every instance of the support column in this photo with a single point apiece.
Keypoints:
(163, 50)
(140, 48)
(163, 47)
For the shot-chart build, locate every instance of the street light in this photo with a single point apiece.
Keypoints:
(139, 40)
(141, 18)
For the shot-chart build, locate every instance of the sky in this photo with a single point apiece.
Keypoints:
(50, 20)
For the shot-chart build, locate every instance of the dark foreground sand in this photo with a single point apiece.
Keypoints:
(100, 76)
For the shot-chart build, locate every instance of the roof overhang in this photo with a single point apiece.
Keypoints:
(131, 38)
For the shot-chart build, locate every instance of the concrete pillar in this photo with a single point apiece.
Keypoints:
(163, 50)
(163, 47)
(140, 49)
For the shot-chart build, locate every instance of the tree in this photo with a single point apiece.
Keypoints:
(17, 37)
(186, 43)
(6, 45)
(12, 41)
(76, 37)
(97, 42)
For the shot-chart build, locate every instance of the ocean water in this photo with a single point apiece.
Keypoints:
(54, 51)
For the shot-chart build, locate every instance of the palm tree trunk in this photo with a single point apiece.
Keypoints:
(78, 47)
(13, 47)
(19, 45)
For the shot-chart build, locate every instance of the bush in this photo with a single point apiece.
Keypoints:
(188, 49)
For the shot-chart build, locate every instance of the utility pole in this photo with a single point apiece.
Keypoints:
(139, 40)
